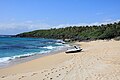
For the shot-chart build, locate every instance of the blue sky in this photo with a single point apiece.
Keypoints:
(18, 16)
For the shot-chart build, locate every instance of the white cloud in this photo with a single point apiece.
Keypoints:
(27, 24)
(85, 24)
(19, 27)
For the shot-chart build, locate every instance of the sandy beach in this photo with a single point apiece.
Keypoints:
(99, 60)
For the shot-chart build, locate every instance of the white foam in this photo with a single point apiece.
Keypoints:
(49, 47)
(41, 52)
(5, 59)
(60, 41)
(24, 55)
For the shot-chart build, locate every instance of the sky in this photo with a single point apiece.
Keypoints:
(17, 16)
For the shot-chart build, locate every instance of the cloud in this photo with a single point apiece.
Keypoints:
(27, 25)
(107, 21)
(19, 27)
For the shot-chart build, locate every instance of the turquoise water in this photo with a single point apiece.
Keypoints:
(10, 47)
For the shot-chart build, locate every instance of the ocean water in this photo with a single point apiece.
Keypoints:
(11, 48)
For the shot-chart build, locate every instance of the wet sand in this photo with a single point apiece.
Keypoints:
(99, 60)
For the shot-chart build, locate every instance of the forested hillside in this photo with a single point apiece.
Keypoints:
(102, 31)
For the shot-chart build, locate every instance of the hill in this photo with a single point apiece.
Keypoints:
(103, 31)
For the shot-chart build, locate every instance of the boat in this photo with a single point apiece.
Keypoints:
(74, 50)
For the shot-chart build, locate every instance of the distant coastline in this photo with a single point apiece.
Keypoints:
(7, 35)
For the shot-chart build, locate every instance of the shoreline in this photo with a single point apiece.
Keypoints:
(23, 59)
(99, 60)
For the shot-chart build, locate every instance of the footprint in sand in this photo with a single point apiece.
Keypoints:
(21, 77)
(67, 72)
(45, 70)
(57, 76)
(86, 78)
(59, 69)
(3, 76)
(56, 71)
(97, 58)
(33, 74)
(44, 79)
(48, 73)
(52, 72)
(47, 76)
(51, 78)
(53, 69)
(79, 66)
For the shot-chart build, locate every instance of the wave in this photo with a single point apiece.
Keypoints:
(59, 44)
(49, 47)
(26, 47)
(41, 52)
(60, 41)
(24, 55)
(7, 59)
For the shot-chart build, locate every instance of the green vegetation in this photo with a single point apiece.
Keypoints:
(94, 32)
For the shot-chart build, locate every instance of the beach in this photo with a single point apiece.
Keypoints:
(99, 60)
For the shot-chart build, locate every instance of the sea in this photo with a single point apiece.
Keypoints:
(12, 47)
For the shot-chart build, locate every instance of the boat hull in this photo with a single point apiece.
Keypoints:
(73, 51)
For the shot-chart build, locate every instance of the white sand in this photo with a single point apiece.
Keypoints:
(99, 60)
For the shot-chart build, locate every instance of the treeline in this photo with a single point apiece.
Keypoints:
(103, 31)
